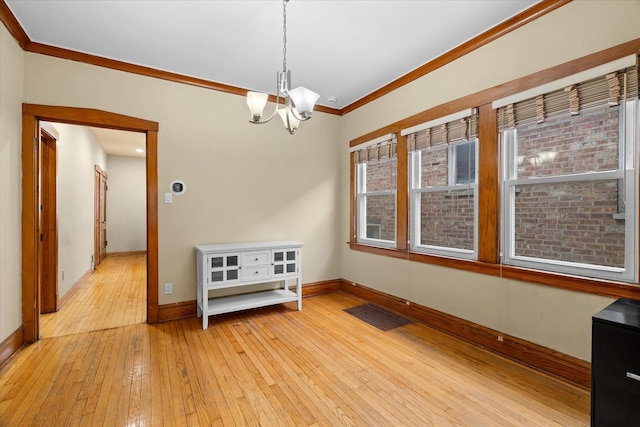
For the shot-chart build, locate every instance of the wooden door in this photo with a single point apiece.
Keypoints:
(100, 209)
(48, 224)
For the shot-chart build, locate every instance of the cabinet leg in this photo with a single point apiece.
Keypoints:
(205, 321)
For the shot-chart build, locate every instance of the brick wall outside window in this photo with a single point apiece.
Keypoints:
(570, 221)
(381, 210)
(447, 218)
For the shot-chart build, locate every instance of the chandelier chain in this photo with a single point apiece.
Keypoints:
(284, 37)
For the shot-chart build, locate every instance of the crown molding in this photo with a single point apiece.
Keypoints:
(12, 25)
(517, 21)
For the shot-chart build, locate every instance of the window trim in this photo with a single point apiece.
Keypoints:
(488, 182)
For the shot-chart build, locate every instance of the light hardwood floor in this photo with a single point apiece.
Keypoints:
(277, 366)
(112, 296)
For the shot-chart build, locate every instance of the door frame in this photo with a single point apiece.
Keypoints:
(99, 208)
(48, 246)
(32, 115)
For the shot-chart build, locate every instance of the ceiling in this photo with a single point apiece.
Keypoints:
(120, 142)
(341, 49)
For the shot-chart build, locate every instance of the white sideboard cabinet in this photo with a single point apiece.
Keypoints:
(241, 264)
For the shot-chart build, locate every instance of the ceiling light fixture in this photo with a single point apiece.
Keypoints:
(298, 102)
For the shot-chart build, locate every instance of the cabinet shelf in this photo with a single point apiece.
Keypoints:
(248, 301)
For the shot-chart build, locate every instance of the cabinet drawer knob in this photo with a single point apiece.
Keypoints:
(256, 259)
(633, 376)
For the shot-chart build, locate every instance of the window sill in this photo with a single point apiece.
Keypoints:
(556, 280)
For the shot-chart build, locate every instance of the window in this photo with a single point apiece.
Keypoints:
(556, 198)
(376, 169)
(443, 202)
(463, 162)
(569, 167)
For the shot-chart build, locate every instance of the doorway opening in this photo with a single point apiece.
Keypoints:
(33, 153)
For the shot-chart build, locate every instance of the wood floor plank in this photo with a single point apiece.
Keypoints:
(276, 366)
(112, 296)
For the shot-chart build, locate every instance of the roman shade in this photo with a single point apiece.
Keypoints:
(612, 89)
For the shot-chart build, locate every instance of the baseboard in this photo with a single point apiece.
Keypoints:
(126, 253)
(182, 310)
(571, 369)
(319, 288)
(11, 345)
(76, 286)
(178, 310)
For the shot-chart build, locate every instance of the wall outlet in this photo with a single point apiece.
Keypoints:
(168, 288)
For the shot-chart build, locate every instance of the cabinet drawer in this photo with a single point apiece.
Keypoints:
(255, 258)
(612, 407)
(616, 358)
(255, 273)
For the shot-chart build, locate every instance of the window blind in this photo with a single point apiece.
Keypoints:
(462, 129)
(610, 89)
(382, 150)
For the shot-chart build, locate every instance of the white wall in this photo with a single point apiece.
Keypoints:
(126, 204)
(554, 318)
(244, 182)
(78, 153)
(11, 75)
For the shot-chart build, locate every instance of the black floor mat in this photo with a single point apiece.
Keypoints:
(378, 317)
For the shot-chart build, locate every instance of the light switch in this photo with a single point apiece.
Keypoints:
(168, 198)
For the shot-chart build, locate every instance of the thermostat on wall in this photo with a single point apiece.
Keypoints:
(177, 187)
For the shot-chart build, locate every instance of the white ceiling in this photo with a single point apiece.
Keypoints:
(342, 49)
(120, 142)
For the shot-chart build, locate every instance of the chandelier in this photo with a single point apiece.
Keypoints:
(298, 102)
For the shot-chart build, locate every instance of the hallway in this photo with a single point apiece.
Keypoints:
(112, 296)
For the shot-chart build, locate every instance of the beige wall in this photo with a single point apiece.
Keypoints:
(11, 75)
(247, 182)
(554, 318)
(78, 153)
(126, 204)
(244, 182)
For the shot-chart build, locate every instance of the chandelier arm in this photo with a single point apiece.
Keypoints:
(298, 116)
(289, 127)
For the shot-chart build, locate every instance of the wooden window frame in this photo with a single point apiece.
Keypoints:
(488, 261)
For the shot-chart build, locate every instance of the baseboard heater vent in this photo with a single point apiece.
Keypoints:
(378, 317)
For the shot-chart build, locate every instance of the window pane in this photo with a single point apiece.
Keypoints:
(465, 155)
(434, 167)
(381, 217)
(565, 145)
(570, 221)
(381, 175)
(447, 219)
